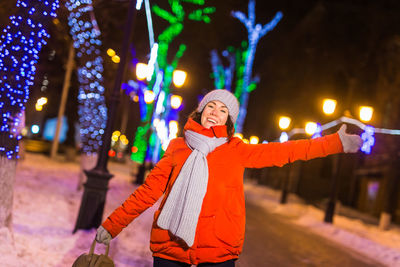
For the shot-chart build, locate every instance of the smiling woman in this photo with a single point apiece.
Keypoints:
(214, 113)
(201, 218)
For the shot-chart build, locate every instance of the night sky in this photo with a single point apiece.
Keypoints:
(331, 48)
(319, 49)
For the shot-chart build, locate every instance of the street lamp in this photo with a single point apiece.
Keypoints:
(311, 127)
(284, 123)
(239, 135)
(40, 102)
(116, 59)
(111, 52)
(179, 77)
(176, 101)
(141, 71)
(366, 113)
(149, 96)
(95, 189)
(329, 106)
(254, 140)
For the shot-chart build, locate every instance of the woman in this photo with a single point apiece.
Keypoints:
(201, 219)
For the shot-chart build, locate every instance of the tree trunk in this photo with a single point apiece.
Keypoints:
(7, 177)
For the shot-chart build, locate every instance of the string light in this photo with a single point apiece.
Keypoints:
(161, 82)
(318, 131)
(152, 61)
(284, 137)
(368, 139)
(139, 4)
(20, 44)
(255, 32)
(92, 110)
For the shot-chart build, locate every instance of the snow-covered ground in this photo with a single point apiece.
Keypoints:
(46, 205)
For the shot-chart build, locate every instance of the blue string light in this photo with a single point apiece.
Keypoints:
(20, 44)
(284, 137)
(254, 33)
(317, 131)
(92, 110)
(368, 139)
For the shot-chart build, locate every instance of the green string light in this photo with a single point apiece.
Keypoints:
(175, 18)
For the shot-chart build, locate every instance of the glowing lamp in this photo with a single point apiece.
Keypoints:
(38, 107)
(135, 98)
(246, 141)
(173, 127)
(176, 101)
(311, 128)
(111, 52)
(366, 113)
(115, 59)
(284, 122)
(111, 153)
(24, 131)
(254, 140)
(41, 101)
(329, 106)
(124, 140)
(238, 135)
(35, 129)
(149, 96)
(179, 77)
(117, 133)
(141, 71)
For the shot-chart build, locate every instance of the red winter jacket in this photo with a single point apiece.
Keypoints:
(220, 229)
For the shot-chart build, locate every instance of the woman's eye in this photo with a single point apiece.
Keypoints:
(223, 111)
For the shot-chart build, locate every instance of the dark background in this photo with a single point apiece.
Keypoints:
(330, 48)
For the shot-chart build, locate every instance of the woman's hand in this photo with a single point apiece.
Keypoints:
(103, 236)
(351, 142)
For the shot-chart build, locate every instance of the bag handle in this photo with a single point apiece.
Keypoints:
(94, 245)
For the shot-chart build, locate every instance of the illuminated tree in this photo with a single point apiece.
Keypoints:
(161, 80)
(20, 43)
(92, 110)
(245, 83)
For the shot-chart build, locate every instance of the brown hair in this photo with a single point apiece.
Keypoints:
(196, 116)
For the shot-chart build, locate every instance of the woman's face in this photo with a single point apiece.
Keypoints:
(214, 113)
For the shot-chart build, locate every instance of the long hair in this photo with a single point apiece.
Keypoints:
(230, 127)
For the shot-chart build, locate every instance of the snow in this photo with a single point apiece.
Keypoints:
(366, 239)
(46, 205)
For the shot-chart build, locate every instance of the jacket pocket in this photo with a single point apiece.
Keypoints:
(230, 220)
(159, 235)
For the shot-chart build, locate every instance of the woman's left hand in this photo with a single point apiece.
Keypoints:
(351, 142)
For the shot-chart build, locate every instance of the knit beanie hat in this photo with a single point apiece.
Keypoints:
(226, 97)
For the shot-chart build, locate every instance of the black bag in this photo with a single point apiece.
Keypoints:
(94, 260)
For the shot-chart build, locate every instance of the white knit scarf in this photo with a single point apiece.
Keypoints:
(181, 210)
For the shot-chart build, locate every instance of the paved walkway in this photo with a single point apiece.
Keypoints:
(272, 241)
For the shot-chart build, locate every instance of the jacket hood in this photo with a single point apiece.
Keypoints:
(217, 131)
